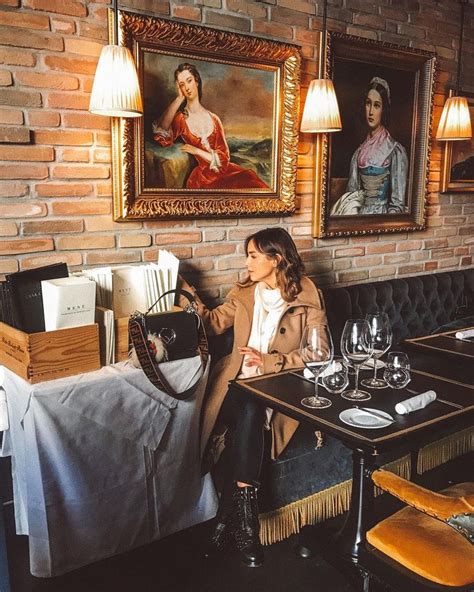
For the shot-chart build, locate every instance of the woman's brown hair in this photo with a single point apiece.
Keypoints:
(276, 243)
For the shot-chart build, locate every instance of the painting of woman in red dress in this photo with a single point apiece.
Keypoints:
(203, 136)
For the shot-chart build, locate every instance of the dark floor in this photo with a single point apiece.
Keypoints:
(175, 564)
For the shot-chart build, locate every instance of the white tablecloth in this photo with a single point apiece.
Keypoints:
(103, 462)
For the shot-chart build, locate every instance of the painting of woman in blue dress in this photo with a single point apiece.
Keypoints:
(378, 171)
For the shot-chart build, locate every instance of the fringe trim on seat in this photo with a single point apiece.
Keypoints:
(444, 450)
(278, 525)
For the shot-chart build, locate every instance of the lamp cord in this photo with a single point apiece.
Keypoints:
(322, 61)
(116, 23)
(461, 37)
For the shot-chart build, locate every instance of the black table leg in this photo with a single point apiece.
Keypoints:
(360, 517)
(4, 577)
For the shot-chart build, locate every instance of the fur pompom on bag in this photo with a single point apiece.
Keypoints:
(157, 347)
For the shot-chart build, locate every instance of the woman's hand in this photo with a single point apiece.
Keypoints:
(190, 149)
(253, 357)
(179, 92)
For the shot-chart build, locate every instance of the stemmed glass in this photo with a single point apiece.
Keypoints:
(356, 347)
(316, 352)
(381, 332)
(397, 370)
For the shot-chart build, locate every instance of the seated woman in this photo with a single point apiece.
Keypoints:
(203, 136)
(268, 312)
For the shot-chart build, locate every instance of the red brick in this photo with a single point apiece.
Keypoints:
(227, 21)
(24, 20)
(14, 247)
(189, 13)
(9, 2)
(42, 80)
(8, 229)
(83, 47)
(69, 7)
(105, 223)
(20, 38)
(80, 207)
(350, 252)
(112, 257)
(68, 101)
(63, 189)
(71, 259)
(63, 26)
(76, 65)
(134, 240)
(71, 243)
(385, 271)
(177, 238)
(214, 250)
(14, 135)
(5, 78)
(75, 155)
(63, 138)
(23, 210)
(93, 31)
(11, 116)
(29, 153)
(13, 189)
(86, 120)
(12, 57)
(102, 155)
(380, 248)
(179, 252)
(410, 245)
(44, 118)
(52, 226)
(23, 171)
(8, 265)
(80, 172)
(19, 97)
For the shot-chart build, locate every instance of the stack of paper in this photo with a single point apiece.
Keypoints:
(102, 276)
(68, 302)
(104, 317)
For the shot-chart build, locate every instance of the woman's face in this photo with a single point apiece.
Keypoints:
(261, 267)
(187, 84)
(373, 109)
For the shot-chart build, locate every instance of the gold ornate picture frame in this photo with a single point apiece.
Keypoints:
(219, 132)
(457, 174)
(372, 176)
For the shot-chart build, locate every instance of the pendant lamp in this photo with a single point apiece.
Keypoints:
(116, 91)
(455, 122)
(321, 111)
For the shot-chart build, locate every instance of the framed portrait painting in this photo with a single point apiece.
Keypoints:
(457, 174)
(219, 132)
(371, 177)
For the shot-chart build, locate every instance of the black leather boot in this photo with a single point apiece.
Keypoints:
(221, 536)
(247, 526)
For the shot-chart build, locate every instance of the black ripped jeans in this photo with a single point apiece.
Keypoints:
(245, 417)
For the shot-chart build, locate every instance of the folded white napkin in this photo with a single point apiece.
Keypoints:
(4, 423)
(415, 403)
(467, 334)
(308, 374)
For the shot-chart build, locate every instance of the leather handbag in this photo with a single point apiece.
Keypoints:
(181, 333)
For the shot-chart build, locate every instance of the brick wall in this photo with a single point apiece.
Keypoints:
(55, 185)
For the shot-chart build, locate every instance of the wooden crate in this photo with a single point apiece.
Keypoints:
(37, 357)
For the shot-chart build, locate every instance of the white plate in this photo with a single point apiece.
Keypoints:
(358, 418)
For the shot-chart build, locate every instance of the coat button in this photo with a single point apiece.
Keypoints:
(282, 330)
(274, 351)
(291, 310)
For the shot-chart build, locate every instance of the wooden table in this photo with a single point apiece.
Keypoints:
(453, 408)
(444, 344)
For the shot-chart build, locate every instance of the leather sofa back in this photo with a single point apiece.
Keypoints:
(416, 306)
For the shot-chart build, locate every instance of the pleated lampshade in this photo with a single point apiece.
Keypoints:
(455, 122)
(321, 111)
(116, 91)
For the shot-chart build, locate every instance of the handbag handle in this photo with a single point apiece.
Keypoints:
(179, 291)
(139, 337)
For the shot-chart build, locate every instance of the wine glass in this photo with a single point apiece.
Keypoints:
(381, 332)
(316, 351)
(397, 370)
(356, 347)
(335, 378)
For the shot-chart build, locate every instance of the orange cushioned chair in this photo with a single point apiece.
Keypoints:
(433, 537)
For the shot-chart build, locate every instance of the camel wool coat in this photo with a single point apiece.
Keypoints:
(237, 312)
